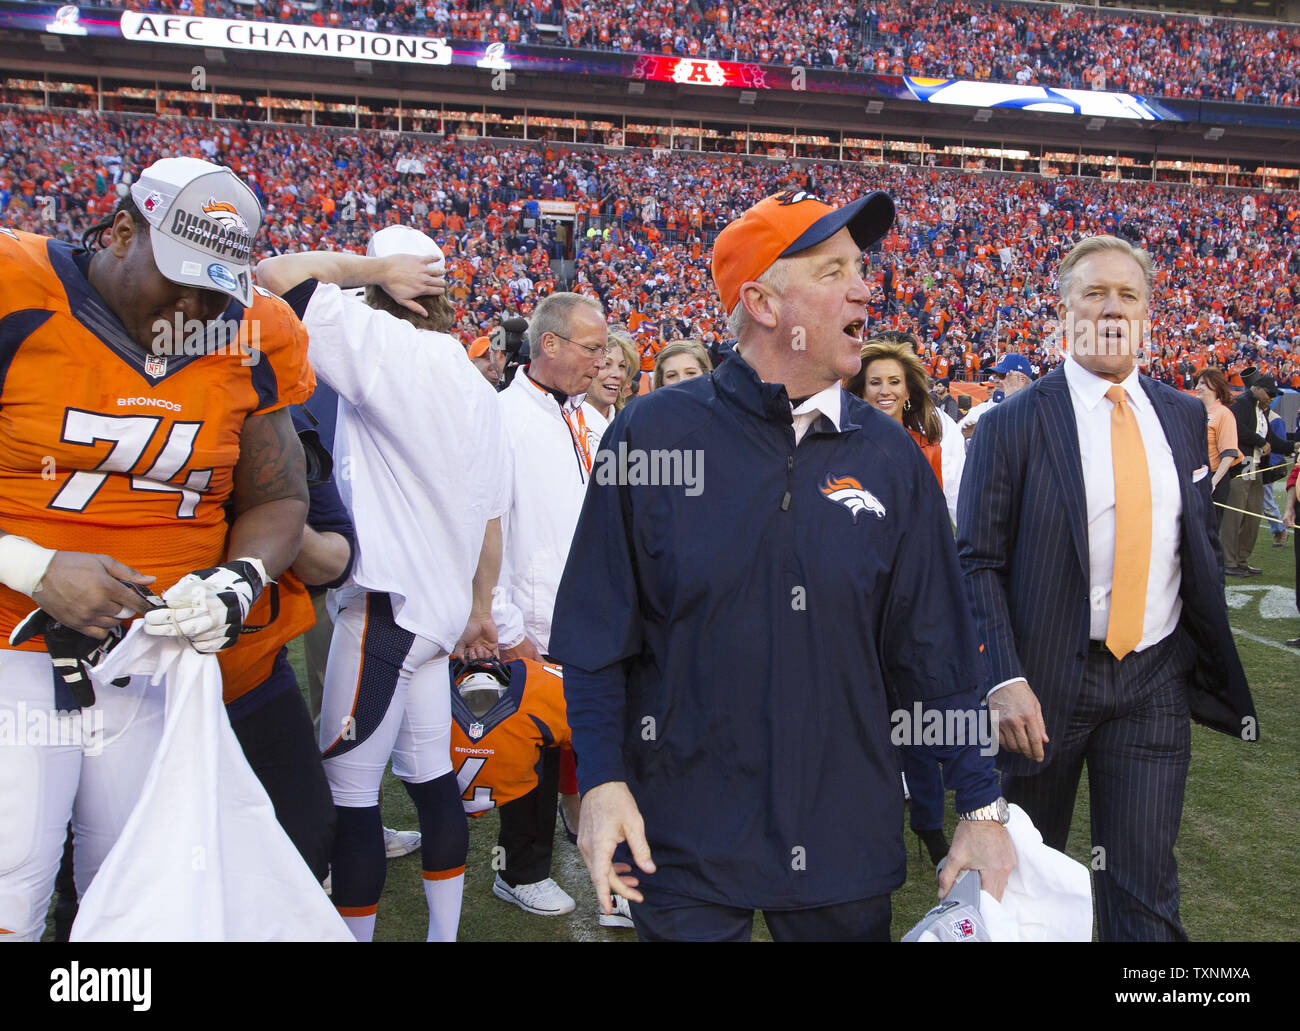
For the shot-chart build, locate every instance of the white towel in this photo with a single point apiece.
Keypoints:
(201, 857)
(1048, 896)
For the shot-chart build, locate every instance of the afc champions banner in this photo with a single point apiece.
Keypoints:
(69, 20)
(272, 37)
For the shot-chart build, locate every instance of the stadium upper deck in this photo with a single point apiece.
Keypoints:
(1146, 53)
(968, 266)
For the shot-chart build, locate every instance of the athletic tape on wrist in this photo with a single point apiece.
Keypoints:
(23, 564)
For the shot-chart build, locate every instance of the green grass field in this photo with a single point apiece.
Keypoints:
(1239, 833)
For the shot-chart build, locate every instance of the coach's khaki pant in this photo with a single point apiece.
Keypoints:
(1239, 532)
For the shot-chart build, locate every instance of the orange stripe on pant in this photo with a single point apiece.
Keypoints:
(443, 875)
(358, 910)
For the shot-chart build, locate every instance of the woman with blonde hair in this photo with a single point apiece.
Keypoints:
(679, 360)
(892, 380)
(608, 392)
(620, 336)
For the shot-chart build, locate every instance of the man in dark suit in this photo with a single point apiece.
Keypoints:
(1094, 571)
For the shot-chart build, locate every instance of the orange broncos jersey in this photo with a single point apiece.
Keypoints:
(105, 448)
(496, 755)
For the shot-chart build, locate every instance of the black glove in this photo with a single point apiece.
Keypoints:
(72, 652)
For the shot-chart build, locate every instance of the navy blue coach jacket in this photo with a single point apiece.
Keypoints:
(733, 648)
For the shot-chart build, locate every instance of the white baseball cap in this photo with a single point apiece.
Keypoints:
(404, 240)
(203, 220)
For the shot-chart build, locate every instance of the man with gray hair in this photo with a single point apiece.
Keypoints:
(1093, 567)
(552, 457)
(734, 653)
(1011, 373)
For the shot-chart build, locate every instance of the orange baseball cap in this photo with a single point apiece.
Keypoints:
(785, 224)
(479, 347)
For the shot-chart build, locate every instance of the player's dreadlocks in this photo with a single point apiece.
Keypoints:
(93, 238)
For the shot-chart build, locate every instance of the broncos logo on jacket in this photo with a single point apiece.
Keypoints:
(846, 491)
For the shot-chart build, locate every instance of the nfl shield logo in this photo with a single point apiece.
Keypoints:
(963, 928)
(155, 365)
(476, 730)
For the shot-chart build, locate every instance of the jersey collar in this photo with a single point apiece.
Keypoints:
(72, 266)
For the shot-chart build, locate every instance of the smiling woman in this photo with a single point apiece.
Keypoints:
(608, 392)
(892, 379)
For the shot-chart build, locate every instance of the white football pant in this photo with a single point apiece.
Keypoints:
(88, 767)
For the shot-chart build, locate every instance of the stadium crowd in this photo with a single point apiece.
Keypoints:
(967, 267)
(1151, 54)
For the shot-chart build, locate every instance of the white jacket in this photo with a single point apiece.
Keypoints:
(548, 482)
(419, 455)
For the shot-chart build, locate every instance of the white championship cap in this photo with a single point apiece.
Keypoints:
(405, 240)
(203, 221)
(957, 918)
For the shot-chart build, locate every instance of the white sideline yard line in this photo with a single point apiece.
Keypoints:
(1264, 640)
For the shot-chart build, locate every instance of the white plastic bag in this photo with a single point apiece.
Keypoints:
(1048, 896)
(201, 857)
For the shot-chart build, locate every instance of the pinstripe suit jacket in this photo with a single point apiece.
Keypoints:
(1023, 543)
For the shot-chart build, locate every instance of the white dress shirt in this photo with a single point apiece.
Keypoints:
(1092, 412)
(1261, 429)
(827, 402)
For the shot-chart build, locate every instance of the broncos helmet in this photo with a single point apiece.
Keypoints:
(481, 682)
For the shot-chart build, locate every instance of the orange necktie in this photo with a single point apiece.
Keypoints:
(1128, 593)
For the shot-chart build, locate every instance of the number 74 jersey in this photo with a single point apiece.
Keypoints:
(497, 756)
(107, 448)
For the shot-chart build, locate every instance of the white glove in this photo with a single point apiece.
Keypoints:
(208, 607)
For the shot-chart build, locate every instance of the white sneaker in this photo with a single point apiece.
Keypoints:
(400, 843)
(544, 898)
(622, 915)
